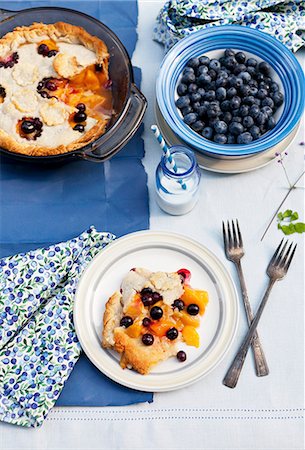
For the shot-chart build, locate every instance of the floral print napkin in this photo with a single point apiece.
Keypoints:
(38, 343)
(284, 20)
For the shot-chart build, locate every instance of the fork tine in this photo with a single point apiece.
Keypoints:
(225, 240)
(235, 242)
(290, 258)
(275, 253)
(284, 259)
(239, 234)
(229, 234)
(280, 256)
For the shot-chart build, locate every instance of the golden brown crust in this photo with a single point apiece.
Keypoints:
(113, 312)
(136, 355)
(58, 32)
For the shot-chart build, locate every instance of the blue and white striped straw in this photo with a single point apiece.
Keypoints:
(166, 151)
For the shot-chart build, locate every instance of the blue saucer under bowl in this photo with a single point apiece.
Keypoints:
(211, 42)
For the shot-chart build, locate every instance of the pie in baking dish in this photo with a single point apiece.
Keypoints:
(55, 91)
(151, 314)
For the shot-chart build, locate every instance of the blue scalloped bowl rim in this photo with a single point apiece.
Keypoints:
(246, 39)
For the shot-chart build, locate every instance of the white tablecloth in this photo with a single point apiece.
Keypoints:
(260, 414)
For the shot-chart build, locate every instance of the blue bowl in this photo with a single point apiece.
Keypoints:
(287, 71)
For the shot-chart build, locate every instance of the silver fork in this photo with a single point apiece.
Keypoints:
(276, 270)
(234, 250)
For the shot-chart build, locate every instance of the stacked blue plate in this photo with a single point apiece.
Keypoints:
(211, 42)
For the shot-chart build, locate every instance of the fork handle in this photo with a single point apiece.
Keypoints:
(261, 366)
(232, 375)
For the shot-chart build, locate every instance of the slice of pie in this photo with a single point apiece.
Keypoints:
(150, 315)
(55, 91)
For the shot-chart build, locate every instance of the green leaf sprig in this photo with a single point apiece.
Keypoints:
(287, 222)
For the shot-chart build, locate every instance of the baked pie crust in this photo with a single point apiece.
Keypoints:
(76, 68)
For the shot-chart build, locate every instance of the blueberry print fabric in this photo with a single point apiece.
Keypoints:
(38, 343)
(285, 20)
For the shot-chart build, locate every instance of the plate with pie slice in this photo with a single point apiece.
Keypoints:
(156, 311)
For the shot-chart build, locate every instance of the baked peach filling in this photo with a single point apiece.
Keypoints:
(91, 88)
(148, 314)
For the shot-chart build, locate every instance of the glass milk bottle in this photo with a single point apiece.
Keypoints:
(178, 192)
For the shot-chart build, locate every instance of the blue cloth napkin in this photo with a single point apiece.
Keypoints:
(42, 204)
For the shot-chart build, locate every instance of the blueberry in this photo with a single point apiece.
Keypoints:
(231, 139)
(207, 133)
(147, 339)
(186, 110)
(271, 123)
(225, 105)
(239, 68)
(253, 83)
(196, 106)
(249, 100)
(210, 96)
(244, 138)
(245, 76)
(221, 82)
(231, 92)
(202, 70)
(188, 78)
(156, 312)
(244, 110)
(259, 77)
(254, 111)
(251, 62)
(230, 62)
(257, 101)
(146, 322)
(236, 128)
(80, 117)
(229, 52)
(213, 74)
(205, 60)
(213, 111)
(227, 117)
(221, 93)
(195, 97)
(235, 102)
(201, 111)
(248, 122)
(255, 132)
(267, 110)
(183, 101)
(204, 79)
(236, 118)
(237, 82)
(194, 62)
(79, 127)
(201, 91)
(253, 91)
(244, 90)
(81, 107)
(181, 356)
(192, 88)
(274, 87)
(188, 70)
(214, 64)
(193, 309)
(220, 127)
(278, 98)
(240, 57)
(179, 304)
(264, 68)
(28, 127)
(126, 321)
(198, 125)
(43, 49)
(251, 71)
(261, 118)
(172, 333)
(182, 89)
(51, 86)
(190, 118)
(220, 138)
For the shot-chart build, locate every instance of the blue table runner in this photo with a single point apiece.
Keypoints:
(44, 204)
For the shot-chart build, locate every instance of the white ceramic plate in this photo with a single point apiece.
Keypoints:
(226, 165)
(166, 252)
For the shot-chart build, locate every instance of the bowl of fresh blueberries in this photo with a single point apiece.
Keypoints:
(231, 91)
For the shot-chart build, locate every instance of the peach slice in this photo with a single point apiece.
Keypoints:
(160, 328)
(190, 336)
(187, 319)
(196, 297)
(135, 330)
